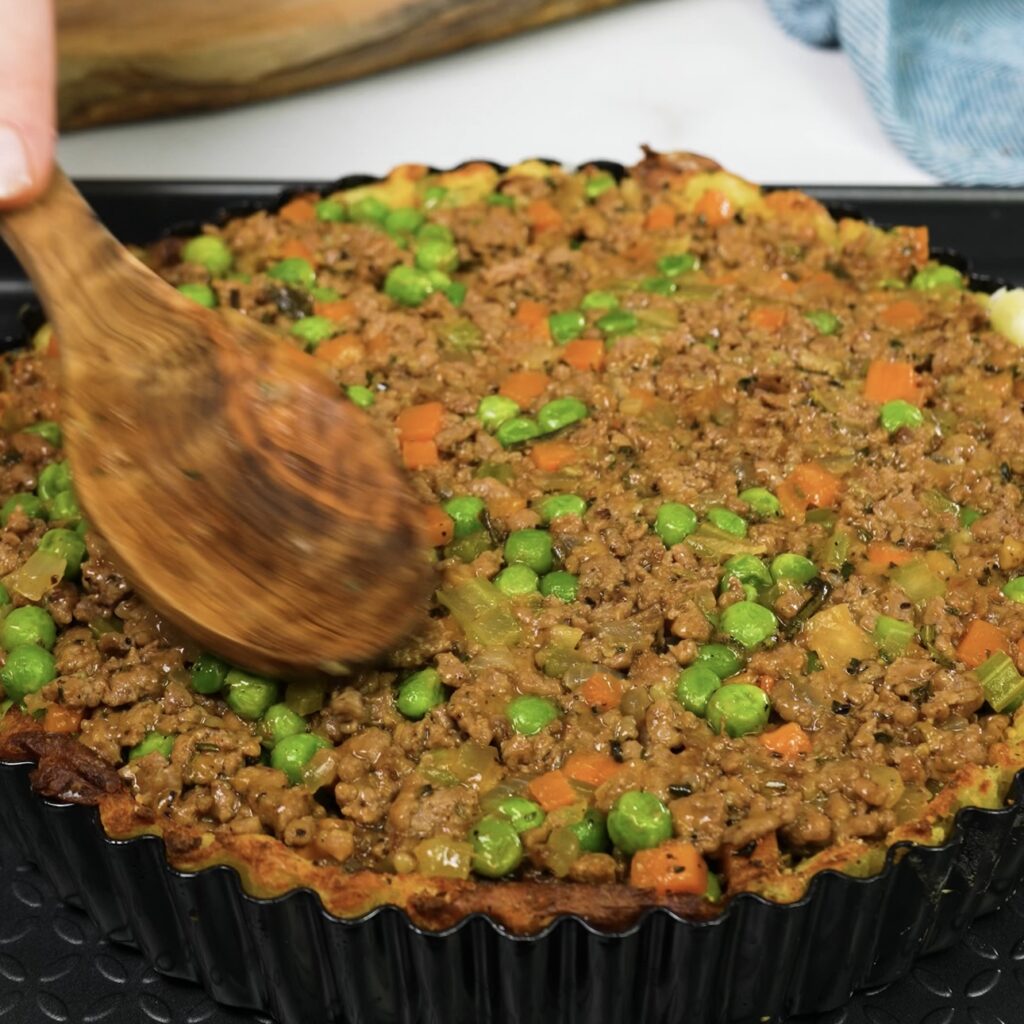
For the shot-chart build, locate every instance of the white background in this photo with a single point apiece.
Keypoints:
(714, 76)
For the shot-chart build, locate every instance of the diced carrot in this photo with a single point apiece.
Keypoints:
(981, 640)
(551, 456)
(294, 249)
(524, 386)
(335, 309)
(788, 741)
(533, 316)
(419, 454)
(902, 315)
(420, 422)
(62, 720)
(891, 379)
(591, 769)
(543, 216)
(602, 691)
(767, 318)
(915, 243)
(808, 486)
(552, 790)
(438, 527)
(715, 208)
(674, 866)
(660, 217)
(885, 555)
(298, 211)
(584, 354)
(341, 350)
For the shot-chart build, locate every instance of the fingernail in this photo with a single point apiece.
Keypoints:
(15, 175)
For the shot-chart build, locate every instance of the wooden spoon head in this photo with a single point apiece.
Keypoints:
(252, 506)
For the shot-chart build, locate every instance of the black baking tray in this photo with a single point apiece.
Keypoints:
(286, 957)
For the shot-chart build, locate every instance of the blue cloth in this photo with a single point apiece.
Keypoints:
(946, 77)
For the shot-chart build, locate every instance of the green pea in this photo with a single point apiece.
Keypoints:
(823, 320)
(208, 251)
(500, 199)
(639, 821)
(761, 501)
(313, 330)
(659, 285)
(465, 512)
(249, 695)
(201, 293)
(32, 506)
(522, 814)
(494, 410)
(517, 581)
(794, 568)
(279, 721)
(727, 520)
(28, 668)
(369, 210)
(559, 413)
(562, 585)
(322, 294)
(437, 254)
(722, 660)
(749, 624)
(618, 321)
(566, 326)
(434, 196)
(330, 210)
(54, 478)
(153, 743)
(48, 430)
(529, 714)
(294, 271)
(419, 693)
(1014, 589)
(557, 505)
(207, 674)
(678, 263)
(5, 706)
(5, 599)
(359, 395)
(497, 849)
(674, 522)
(455, 292)
(592, 831)
(939, 276)
(435, 232)
(694, 685)
(406, 220)
(598, 185)
(600, 300)
(28, 625)
(292, 753)
(898, 413)
(738, 709)
(747, 569)
(68, 545)
(517, 430)
(408, 286)
(530, 547)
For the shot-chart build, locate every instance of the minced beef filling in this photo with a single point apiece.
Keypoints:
(745, 379)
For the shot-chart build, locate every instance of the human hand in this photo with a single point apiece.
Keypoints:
(27, 99)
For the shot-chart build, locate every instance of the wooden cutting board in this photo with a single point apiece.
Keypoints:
(124, 60)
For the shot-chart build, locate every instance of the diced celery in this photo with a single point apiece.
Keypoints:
(892, 636)
(1003, 685)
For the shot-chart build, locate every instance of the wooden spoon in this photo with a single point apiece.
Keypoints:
(251, 505)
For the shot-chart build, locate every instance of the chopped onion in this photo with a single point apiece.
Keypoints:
(1006, 312)
(38, 576)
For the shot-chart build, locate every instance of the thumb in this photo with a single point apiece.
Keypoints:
(27, 99)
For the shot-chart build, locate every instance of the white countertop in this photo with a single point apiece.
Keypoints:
(715, 76)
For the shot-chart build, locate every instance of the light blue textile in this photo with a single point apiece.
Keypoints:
(946, 77)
